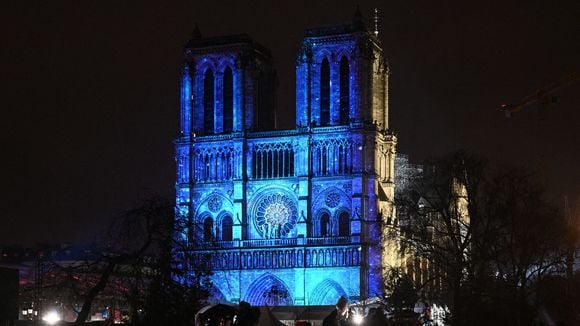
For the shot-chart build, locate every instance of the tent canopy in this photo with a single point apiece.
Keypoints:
(301, 312)
(267, 318)
(214, 312)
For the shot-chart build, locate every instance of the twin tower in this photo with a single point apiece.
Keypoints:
(287, 217)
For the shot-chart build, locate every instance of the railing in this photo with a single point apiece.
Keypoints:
(328, 241)
(272, 133)
(217, 137)
(325, 129)
(275, 258)
(269, 243)
(266, 243)
(219, 244)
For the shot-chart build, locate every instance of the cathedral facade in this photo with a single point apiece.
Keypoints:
(288, 217)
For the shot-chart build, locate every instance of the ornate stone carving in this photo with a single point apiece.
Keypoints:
(276, 215)
(214, 203)
(347, 188)
(332, 199)
(316, 189)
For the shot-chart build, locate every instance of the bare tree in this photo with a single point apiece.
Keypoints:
(182, 284)
(486, 234)
(436, 212)
(138, 262)
(403, 293)
(135, 234)
(529, 239)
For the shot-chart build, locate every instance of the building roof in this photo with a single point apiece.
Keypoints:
(357, 25)
(198, 42)
(336, 29)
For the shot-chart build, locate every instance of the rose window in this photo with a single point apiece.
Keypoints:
(277, 213)
(276, 216)
(214, 203)
(332, 199)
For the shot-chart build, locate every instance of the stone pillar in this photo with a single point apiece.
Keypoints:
(198, 102)
(315, 93)
(302, 92)
(238, 97)
(186, 101)
(249, 98)
(335, 92)
(219, 102)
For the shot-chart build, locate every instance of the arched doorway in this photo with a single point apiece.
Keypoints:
(268, 290)
(326, 292)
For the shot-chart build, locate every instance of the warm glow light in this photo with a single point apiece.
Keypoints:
(51, 318)
(357, 319)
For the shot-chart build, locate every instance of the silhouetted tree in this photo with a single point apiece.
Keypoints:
(138, 262)
(135, 235)
(528, 240)
(489, 235)
(402, 291)
(181, 287)
(436, 213)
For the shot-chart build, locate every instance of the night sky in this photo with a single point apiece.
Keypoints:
(90, 93)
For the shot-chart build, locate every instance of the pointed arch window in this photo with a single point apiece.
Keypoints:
(208, 229)
(227, 228)
(343, 225)
(324, 93)
(325, 225)
(228, 100)
(324, 161)
(208, 102)
(344, 90)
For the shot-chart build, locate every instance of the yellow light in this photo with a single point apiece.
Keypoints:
(51, 318)
(357, 319)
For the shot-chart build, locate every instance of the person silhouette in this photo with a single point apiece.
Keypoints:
(339, 315)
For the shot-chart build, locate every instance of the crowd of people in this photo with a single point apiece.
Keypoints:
(341, 315)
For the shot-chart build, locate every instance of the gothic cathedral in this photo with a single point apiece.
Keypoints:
(288, 217)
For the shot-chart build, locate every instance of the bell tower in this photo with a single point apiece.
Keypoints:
(227, 91)
(342, 96)
(228, 85)
(341, 77)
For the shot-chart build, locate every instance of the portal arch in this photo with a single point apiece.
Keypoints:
(326, 293)
(268, 290)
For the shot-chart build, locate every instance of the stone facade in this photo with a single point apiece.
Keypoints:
(288, 217)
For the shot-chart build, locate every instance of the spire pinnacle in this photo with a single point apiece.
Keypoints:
(376, 19)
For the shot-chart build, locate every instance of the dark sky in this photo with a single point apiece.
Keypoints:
(90, 93)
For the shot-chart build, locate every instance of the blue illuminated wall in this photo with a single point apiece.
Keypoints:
(288, 217)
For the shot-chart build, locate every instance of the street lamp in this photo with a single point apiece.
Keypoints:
(51, 318)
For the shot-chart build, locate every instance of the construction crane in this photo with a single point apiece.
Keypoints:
(543, 96)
